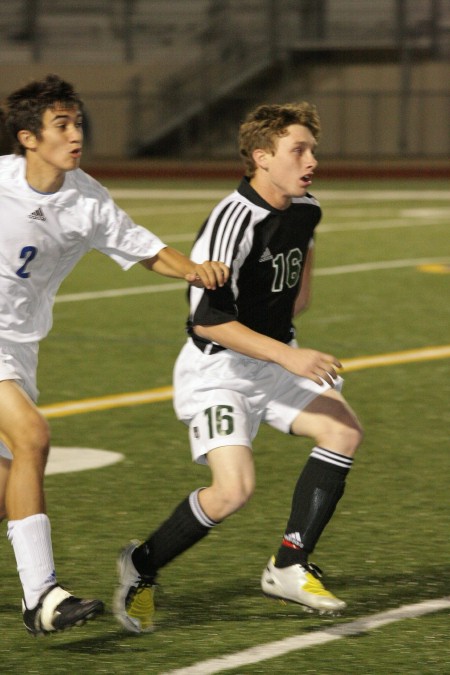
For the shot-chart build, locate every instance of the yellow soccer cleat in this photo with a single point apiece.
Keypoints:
(133, 605)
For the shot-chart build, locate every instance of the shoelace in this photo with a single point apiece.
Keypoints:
(314, 570)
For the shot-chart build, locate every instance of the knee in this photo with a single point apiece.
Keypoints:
(354, 435)
(32, 441)
(343, 436)
(233, 497)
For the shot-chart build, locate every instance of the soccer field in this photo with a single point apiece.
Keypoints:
(381, 304)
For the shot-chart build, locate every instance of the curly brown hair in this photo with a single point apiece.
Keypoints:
(267, 122)
(24, 108)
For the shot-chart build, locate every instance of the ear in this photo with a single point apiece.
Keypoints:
(260, 157)
(27, 139)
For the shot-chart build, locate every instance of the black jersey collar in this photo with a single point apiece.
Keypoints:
(248, 192)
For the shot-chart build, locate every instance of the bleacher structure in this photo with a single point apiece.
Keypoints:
(215, 55)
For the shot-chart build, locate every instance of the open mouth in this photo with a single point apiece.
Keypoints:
(307, 179)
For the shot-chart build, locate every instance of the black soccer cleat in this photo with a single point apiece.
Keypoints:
(57, 610)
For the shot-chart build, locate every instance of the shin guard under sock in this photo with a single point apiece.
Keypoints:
(187, 525)
(319, 488)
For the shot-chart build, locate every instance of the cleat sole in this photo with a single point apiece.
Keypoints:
(305, 608)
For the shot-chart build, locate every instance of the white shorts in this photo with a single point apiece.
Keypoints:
(19, 362)
(224, 397)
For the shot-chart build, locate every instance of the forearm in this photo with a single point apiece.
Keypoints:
(234, 335)
(170, 263)
(309, 363)
(304, 297)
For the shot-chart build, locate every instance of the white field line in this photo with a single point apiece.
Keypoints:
(119, 292)
(165, 393)
(379, 196)
(373, 225)
(423, 215)
(204, 207)
(320, 272)
(167, 194)
(323, 229)
(298, 642)
(373, 266)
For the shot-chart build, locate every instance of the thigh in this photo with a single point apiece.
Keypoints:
(19, 417)
(292, 395)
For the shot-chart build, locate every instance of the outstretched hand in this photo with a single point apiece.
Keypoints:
(209, 274)
(316, 366)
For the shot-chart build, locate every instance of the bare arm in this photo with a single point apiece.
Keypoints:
(310, 363)
(304, 297)
(171, 263)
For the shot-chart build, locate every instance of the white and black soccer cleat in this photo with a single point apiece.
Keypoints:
(57, 610)
(302, 585)
(134, 603)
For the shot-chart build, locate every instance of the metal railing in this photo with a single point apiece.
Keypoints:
(210, 52)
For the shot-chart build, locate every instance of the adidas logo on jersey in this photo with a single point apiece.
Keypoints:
(37, 215)
(266, 255)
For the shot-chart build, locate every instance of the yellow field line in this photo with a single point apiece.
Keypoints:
(165, 393)
(396, 358)
(106, 402)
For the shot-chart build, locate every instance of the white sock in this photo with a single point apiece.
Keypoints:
(32, 544)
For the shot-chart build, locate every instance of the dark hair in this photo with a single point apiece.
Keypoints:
(24, 108)
(268, 122)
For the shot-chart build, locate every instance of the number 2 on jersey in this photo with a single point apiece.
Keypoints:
(28, 253)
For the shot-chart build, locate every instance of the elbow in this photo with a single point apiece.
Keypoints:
(201, 331)
(301, 306)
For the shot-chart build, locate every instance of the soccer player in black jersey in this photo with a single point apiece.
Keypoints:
(242, 366)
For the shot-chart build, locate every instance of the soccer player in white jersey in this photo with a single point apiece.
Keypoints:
(52, 213)
(242, 366)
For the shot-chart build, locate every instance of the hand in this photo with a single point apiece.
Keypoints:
(316, 366)
(209, 274)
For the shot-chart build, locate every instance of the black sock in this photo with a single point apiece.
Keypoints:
(319, 488)
(184, 528)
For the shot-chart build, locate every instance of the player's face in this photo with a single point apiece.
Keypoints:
(288, 171)
(61, 139)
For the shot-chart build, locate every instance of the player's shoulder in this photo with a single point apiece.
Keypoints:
(11, 166)
(239, 208)
(86, 185)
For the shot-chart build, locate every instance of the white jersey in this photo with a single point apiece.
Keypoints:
(42, 237)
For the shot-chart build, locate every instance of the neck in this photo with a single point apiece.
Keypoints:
(44, 185)
(44, 179)
(272, 196)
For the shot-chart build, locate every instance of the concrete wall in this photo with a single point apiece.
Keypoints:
(365, 112)
(360, 105)
(105, 90)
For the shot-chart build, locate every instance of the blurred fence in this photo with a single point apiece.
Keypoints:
(190, 68)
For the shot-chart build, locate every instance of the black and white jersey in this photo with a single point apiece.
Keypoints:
(264, 249)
